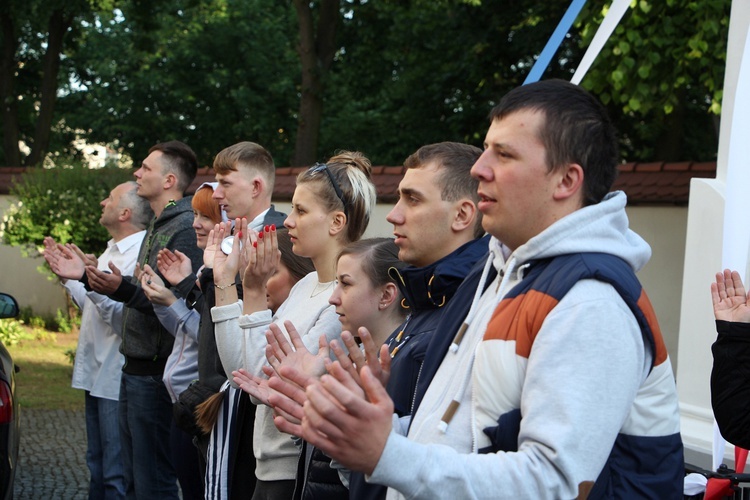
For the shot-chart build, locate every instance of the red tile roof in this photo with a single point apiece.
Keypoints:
(644, 183)
(662, 183)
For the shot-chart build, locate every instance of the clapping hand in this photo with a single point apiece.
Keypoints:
(63, 261)
(103, 282)
(375, 356)
(174, 266)
(154, 289)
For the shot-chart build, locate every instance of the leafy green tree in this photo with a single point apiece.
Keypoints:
(62, 203)
(210, 73)
(413, 73)
(661, 75)
(35, 36)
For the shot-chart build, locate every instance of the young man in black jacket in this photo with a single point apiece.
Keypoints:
(145, 405)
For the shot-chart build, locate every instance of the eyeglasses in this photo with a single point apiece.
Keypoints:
(322, 167)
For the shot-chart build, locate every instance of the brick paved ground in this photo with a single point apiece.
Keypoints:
(52, 461)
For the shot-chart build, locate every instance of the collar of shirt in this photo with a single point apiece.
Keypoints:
(127, 242)
(257, 223)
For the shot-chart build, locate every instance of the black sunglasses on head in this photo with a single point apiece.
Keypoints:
(322, 167)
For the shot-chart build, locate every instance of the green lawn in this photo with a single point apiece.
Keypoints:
(44, 379)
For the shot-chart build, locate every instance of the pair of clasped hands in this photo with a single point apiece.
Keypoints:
(340, 407)
(253, 255)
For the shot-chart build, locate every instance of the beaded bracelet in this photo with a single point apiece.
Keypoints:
(219, 287)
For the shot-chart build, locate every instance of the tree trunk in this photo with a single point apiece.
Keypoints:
(669, 145)
(9, 110)
(58, 27)
(316, 56)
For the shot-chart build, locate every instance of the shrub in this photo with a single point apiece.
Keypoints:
(62, 202)
(12, 332)
(65, 323)
(71, 355)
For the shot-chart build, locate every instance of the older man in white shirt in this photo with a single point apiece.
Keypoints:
(98, 362)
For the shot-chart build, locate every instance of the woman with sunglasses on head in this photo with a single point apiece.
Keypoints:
(331, 208)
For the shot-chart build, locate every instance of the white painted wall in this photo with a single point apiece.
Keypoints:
(20, 277)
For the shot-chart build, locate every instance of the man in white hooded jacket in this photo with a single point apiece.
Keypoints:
(558, 385)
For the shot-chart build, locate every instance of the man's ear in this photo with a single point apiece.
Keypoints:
(125, 214)
(170, 181)
(338, 223)
(466, 215)
(570, 183)
(257, 187)
(388, 295)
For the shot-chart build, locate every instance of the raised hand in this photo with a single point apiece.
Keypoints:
(280, 353)
(263, 257)
(102, 282)
(209, 253)
(174, 266)
(88, 259)
(63, 261)
(287, 399)
(730, 300)
(375, 356)
(256, 387)
(154, 289)
(225, 266)
(50, 245)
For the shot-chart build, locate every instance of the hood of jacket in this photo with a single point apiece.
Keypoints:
(432, 286)
(602, 227)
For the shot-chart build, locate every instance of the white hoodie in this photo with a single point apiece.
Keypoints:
(576, 391)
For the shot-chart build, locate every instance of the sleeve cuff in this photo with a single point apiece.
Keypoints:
(257, 319)
(734, 329)
(125, 291)
(227, 312)
(185, 286)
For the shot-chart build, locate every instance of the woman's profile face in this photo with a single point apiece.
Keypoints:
(308, 223)
(356, 300)
(202, 224)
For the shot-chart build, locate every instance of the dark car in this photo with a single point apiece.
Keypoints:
(9, 421)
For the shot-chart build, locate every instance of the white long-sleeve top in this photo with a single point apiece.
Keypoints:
(98, 363)
(241, 342)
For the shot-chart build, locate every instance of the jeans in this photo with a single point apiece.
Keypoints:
(145, 420)
(103, 452)
(186, 460)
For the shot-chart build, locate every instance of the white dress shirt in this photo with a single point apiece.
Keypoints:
(98, 363)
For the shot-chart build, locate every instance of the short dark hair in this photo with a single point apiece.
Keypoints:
(454, 161)
(180, 160)
(247, 154)
(576, 129)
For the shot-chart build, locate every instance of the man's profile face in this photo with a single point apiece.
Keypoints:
(515, 187)
(235, 193)
(150, 177)
(111, 205)
(421, 218)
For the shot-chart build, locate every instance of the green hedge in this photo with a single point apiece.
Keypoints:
(62, 202)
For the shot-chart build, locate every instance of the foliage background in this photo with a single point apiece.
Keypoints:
(62, 203)
(405, 73)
